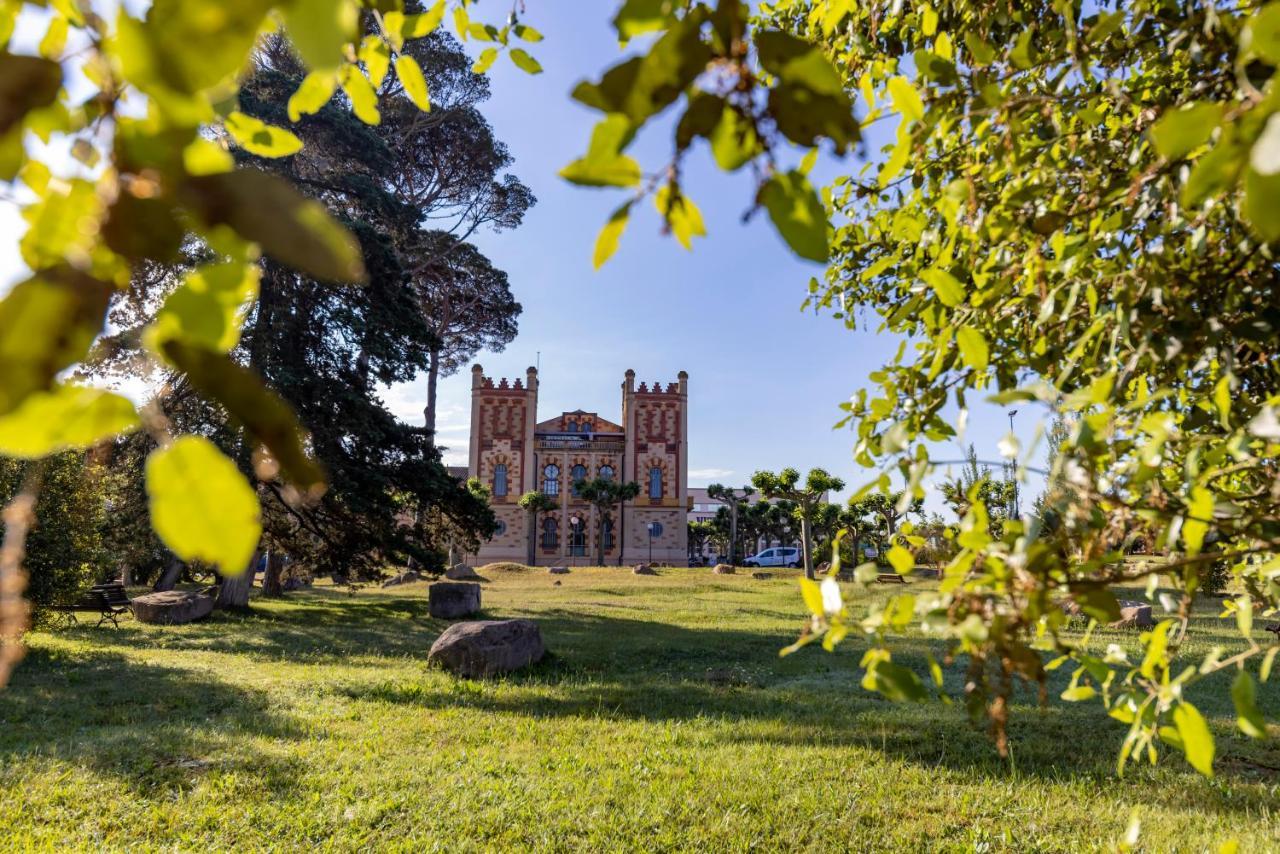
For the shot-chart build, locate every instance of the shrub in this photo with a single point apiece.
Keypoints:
(65, 549)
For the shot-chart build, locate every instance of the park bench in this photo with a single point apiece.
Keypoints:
(109, 600)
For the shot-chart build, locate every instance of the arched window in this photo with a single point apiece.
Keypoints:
(500, 480)
(655, 482)
(551, 480)
(606, 472)
(571, 427)
(550, 533)
(608, 534)
(577, 473)
(577, 537)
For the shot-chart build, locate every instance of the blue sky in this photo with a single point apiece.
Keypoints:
(765, 379)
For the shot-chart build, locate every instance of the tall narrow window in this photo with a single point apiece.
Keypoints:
(571, 427)
(608, 534)
(577, 473)
(550, 533)
(551, 480)
(655, 482)
(500, 480)
(577, 537)
(606, 472)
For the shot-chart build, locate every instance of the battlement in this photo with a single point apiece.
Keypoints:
(679, 387)
(480, 381)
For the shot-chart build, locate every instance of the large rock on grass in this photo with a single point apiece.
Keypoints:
(461, 572)
(488, 647)
(452, 600)
(1134, 615)
(171, 607)
(723, 569)
(558, 570)
(644, 569)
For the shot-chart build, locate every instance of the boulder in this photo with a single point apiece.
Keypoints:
(723, 569)
(461, 572)
(762, 576)
(1134, 615)
(451, 600)
(642, 569)
(402, 578)
(555, 583)
(171, 607)
(488, 647)
(558, 570)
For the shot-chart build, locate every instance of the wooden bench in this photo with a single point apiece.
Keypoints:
(109, 600)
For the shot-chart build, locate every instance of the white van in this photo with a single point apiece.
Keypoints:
(775, 557)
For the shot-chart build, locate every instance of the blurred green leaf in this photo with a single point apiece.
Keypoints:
(605, 165)
(47, 323)
(973, 347)
(257, 137)
(1197, 742)
(524, 61)
(201, 505)
(1248, 716)
(376, 57)
(1182, 130)
(207, 309)
(610, 235)
(364, 100)
(415, 85)
(312, 94)
(66, 417)
(249, 402)
(291, 228)
(798, 214)
(320, 29)
(681, 214)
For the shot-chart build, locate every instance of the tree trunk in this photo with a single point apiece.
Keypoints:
(733, 534)
(600, 539)
(533, 539)
(271, 583)
(806, 548)
(433, 378)
(169, 578)
(233, 593)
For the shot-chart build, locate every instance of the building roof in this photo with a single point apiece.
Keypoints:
(599, 425)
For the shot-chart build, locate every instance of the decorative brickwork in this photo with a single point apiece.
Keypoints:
(649, 438)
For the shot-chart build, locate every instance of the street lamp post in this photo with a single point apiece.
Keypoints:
(1017, 508)
(650, 529)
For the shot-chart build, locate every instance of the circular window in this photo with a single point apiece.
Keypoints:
(655, 529)
(501, 529)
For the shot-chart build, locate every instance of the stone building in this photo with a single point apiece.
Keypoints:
(512, 453)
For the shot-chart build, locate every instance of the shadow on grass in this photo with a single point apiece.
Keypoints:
(152, 728)
(619, 669)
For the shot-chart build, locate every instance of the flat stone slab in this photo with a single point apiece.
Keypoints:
(452, 600)
(488, 647)
(762, 576)
(406, 577)
(171, 607)
(558, 570)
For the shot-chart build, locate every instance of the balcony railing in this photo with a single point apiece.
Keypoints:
(579, 442)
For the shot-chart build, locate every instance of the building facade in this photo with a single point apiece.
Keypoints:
(513, 453)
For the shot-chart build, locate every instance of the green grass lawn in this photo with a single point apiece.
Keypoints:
(663, 719)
